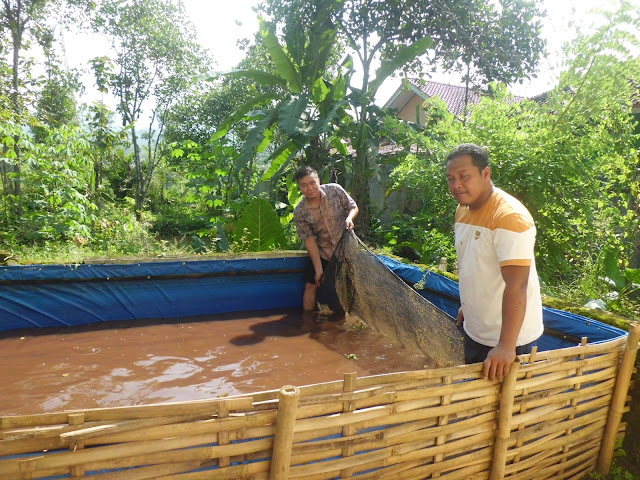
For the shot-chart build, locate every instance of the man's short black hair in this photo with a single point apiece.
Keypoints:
(478, 154)
(304, 171)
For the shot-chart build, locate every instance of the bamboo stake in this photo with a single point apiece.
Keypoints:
(283, 438)
(498, 463)
(525, 393)
(574, 402)
(443, 420)
(348, 430)
(74, 420)
(223, 437)
(26, 468)
(617, 402)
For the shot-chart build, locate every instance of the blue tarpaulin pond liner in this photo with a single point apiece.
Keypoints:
(66, 295)
(557, 414)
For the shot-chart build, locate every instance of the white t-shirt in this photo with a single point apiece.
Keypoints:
(498, 234)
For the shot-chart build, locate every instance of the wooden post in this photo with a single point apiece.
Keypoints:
(283, 438)
(618, 399)
(223, 436)
(523, 403)
(574, 404)
(76, 419)
(348, 386)
(505, 411)
(442, 420)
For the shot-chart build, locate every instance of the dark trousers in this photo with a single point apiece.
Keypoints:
(475, 352)
(310, 271)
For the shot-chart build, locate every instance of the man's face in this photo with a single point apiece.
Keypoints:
(310, 186)
(468, 185)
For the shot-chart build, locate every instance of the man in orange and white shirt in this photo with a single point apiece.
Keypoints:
(501, 309)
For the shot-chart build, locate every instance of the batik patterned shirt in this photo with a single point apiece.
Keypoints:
(327, 221)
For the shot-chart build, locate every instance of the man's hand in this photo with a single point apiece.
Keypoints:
(498, 361)
(460, 318)
(319, 277)
(348, 223)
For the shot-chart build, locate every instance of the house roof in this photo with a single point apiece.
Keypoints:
(453, 95)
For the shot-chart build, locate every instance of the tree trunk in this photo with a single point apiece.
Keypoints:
(139, 177)
(97, 180)
(17, 26)
(360, 193)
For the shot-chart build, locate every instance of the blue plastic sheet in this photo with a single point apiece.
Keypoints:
(562, 329)
(59, 295)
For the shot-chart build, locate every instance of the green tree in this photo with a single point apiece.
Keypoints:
(56, 104)
(490, 43)
(300, 100)
(570, 159)
(106, 147)
(21, 23)
(156, 60)
(199, 113)
(395, 35)
(18, 19)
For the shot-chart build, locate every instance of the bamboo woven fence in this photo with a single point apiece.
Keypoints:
(556, 415)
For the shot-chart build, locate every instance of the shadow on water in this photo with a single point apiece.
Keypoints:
(292, 324)
(146, 322)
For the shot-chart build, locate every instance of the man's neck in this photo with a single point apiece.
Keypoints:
(485, 198)
(315, 202)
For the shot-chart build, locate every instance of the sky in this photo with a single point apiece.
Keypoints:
(219, 27)
(218, 30)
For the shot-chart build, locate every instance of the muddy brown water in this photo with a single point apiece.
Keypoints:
(154, 361)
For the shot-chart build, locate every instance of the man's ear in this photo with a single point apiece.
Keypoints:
(486, 173)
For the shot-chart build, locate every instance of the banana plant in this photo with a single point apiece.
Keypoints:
(314, 104)
(311, 104)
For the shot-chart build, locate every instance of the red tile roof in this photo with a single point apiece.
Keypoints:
(453, 95)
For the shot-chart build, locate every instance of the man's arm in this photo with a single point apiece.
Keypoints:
(314, 254)
(349, 220)
(514, 304)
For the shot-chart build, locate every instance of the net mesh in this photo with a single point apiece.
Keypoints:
(357, 283)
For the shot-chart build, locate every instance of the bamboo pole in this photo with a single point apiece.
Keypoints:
(525, 393)
(618, 401)
(223, 437)
(498, 463)
(348, 430)
(283, 438)
(74, 420)
(192, 407)
(442, 420)
(574, 402)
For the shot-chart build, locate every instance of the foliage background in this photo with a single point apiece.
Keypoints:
(83, 180)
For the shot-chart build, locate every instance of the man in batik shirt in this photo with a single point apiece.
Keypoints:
(321, 218)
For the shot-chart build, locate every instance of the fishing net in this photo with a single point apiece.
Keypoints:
(357, 283)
